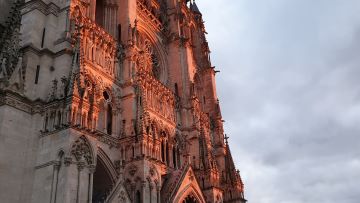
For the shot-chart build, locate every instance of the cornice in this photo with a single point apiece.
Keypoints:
(41, 6)
(20, 102)
(48, 52)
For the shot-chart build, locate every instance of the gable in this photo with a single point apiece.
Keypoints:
(183, 186)
(119, 194)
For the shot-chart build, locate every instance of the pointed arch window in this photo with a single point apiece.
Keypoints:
(108, 113)
(106, 16)
(109, 120)
(100, 12)
(162, 151)
(167, 153)
(174, 157)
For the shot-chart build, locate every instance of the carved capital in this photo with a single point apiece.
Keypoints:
(67, 161)
(81, 165)
(92, 168)
(57, 165)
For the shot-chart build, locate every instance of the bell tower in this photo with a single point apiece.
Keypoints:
(111, 101)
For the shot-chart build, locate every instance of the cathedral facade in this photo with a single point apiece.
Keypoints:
(110, 101)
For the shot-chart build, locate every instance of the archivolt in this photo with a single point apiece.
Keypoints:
(107, 163)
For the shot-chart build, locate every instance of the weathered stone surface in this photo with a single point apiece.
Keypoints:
(110, 101)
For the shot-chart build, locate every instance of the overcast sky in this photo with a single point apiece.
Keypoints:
(290, 93)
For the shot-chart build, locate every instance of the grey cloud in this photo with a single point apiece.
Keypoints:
(294, 122)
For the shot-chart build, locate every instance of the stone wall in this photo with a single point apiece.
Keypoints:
(5, 6)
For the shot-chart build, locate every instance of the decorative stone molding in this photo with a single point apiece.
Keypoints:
(132, 170)
(81, 150)
(67, 161)
(40, 5)
(10, 48)
(15, 100)
(97, 47)
(148, 16)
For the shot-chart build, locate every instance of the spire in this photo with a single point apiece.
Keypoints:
(194, 8)
(232, 176)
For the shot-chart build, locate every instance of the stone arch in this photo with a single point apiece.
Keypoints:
(192, 192)
(154, 174)
(106, 106)
(138, 196)
(103, 179)
(82, 150)
(108, 91)
(102, 156)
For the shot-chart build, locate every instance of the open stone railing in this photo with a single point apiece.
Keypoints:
(98, 47)
(157, 98)
(146, 13)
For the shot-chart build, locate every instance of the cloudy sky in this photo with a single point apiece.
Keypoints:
(290, 93)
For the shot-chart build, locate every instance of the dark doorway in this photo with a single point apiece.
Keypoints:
(102, 183)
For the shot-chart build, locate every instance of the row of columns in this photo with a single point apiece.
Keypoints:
(98, 121)
(79, 184)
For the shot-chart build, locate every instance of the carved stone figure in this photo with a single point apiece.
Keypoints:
(3, 73)
(128, 115)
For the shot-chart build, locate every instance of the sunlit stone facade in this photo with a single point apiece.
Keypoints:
(110, 101)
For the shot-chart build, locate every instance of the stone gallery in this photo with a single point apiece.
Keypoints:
(110, 101)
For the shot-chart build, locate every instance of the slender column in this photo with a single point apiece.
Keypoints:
(46, 122)
(63, 115)
(105, 117)
(150, 189)
(54, 182)
(165, 152)
(56, 120)
(69, 116)
(143, 188)
(93, 9)
(110, 19)
(93, 122)
(157, 194)
(133, 191)
(170, 156)
(78, 192)
(67, 24)
(91, 180)
(114, 123)
(78, 117)
(116, 22)
(106, 23)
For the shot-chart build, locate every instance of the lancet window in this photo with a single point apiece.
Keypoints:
(107, 115)
(99, 12)
(104, 14)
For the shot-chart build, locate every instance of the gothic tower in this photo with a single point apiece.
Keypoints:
(110, 101)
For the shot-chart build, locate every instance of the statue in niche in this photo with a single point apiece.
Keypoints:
(16, 79)
(53, 93)
(62, 89)
(155, 67)
(121, 52)
(3, 73)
